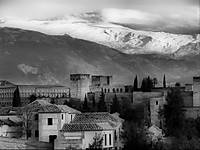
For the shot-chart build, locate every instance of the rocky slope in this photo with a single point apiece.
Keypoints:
(33, 57)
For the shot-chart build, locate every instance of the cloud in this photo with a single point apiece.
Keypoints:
(157, 13)
(26, 69)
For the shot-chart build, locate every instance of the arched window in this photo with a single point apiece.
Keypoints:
(117, 90)
(104, 90)
(108, 90)
(121, 90)
(113, 90)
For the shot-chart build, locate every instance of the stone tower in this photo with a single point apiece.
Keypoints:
(80, 84)
(196, 91)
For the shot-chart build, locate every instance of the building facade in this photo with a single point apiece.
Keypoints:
(49, 91)
(81, 84)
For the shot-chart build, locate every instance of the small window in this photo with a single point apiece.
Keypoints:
(110, 139)
(117, 90)
(113, 90)
(36, 116)
(156, 102)
(105, 140)
(71, 117)
(50, 121)
(108, 90)
(62, 116)
(121, 90)
(36, 133)
(104, 90)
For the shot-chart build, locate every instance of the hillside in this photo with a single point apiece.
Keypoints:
(33, 57)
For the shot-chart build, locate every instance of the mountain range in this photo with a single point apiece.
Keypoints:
(30, 57)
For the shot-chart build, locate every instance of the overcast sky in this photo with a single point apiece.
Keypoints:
(146, 12)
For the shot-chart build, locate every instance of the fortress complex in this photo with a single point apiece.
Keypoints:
(81, 84)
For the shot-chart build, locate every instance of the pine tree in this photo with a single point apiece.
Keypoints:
(93, 103)
(135, 87)
(115, 105)
(16, 98)
(173, 113)
(85, 105)
(149, 84)
(101, 104)
(164, 82)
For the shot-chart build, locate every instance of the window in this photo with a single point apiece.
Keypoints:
(36, 133)
(113, 90)
(105, 139)
(104, 90)
(117, 90)
(71, 117)
(36, 116)
(121, 90)
(62, 116)
(156, 102)
(110, 139)
(50, 121)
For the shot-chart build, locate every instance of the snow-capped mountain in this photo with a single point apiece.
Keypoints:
(122, 38)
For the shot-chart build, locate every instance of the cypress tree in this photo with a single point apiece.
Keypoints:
(16, 98)
(93, 103)
(164, 82)
(101, 104)
(115, 105)
(135, 87)
(85, 105)
(149, 84)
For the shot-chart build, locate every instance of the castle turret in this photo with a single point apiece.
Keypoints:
(196, 91)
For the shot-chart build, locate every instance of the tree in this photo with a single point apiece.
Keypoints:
(32, 98)
(134, 136)
(97, 143)
(154, 82)
(135, 87)
(164, 82)
(147, 84)
(85, 105)
(52, 101)
(93, 103)
(115, 105)
(173, 113)
(101, 104)
(68, 103)
(16, 98)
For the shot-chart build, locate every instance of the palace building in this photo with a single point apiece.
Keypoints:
(47, 91)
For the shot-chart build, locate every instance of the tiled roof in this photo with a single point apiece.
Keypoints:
(65, 108)
(97, 117)
(8, 122)
(9, 110)
(45, 107)
(75, 127)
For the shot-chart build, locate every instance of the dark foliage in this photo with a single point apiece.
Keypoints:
(32, 98)
(173, 113)
(135, 86)
(115, 105)
(101, 104)
(16, 98)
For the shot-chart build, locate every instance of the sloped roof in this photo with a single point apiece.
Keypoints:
(43, 106)
(75, 127)
(67, 109)
(8, 122)
(9, 110)
(97, 117)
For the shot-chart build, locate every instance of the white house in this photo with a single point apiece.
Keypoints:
(51, 121)
(82, 130)
(45, 119)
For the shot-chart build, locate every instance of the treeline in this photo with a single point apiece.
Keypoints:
(147, 84)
